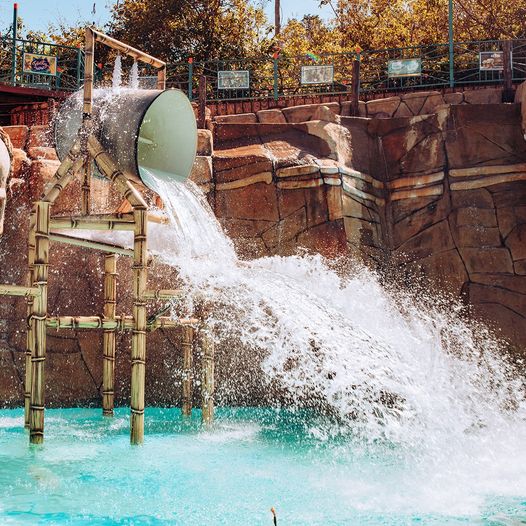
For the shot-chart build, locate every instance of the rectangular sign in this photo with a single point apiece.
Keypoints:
(317, 74)
(40, 64)
(491, 60)
(233, 79)
(405, 67)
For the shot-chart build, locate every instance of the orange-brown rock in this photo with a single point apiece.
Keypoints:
(271, 117)
(202, 170)
(297, 114)
(240, 118)
(205, 142)
(18, 135)
(38, 153)
(39, 136)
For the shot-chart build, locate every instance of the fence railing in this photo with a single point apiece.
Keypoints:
(280, 75)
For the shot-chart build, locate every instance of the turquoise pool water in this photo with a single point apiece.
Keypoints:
(232, 474)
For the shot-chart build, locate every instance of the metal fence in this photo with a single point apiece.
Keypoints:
(273, 77)
(69, 65)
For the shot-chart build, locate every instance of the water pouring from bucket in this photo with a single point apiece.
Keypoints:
(149, 133)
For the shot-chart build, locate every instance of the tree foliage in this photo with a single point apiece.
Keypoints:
(204, 29)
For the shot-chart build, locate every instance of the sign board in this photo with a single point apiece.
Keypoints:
(405, 67)
(491, 60)
(317, 74)
(233, 79)
(40, 64)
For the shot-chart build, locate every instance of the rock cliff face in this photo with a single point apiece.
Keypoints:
(444, 196)
(439, 197)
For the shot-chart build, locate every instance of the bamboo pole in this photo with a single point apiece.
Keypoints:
(138, 350)
(207, 380)
(127, 50)
(86, 187)
(64, 174)
(188, 336)
(89, 63)
(86, 223)
(108, 354)
(30, 342)
(102, 222)
(18, 290)
(119, 323)
(87, 243)
(38, 318)
(162, 294)
(161, 78)
(108, 167)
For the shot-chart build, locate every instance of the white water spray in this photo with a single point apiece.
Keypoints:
(391, 371)
(133, 83)
(116, 80)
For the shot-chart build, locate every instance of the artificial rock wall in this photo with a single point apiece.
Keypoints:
(439, 196)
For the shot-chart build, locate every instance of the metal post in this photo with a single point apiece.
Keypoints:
(275, 78)
(202, 102)
(356, 85)
(451, 47)
(13, 55)
(79, 67)
(508, 94)
(190, 76)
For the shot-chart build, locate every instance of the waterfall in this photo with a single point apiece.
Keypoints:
(388, 368)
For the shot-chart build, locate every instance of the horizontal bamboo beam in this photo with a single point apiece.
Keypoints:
(102, 222)
(127, 50)
(87, 223)
(17, 290)
(165, 294)
(95, 245)
(120, 323)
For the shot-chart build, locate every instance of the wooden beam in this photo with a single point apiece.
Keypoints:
(207, 380)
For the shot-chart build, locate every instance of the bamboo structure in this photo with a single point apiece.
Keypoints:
(109, 337)
(188, 336)
(44, 229)
(38, 321)
(207, 379)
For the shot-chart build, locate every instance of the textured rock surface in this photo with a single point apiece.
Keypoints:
(443, 198)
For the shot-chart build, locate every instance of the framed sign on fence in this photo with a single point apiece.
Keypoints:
(40, 64)
(233, 79)
(491, 61)
(405, 67)
(317, 74)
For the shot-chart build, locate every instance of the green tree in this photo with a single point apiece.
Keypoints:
(203, 29)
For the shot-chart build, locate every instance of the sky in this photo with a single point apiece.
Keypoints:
(37, 14)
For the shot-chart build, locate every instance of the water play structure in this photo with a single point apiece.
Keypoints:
(131, 138)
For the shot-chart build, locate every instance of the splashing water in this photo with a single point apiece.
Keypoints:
(116, 79)
(134, 76)
(391, 373)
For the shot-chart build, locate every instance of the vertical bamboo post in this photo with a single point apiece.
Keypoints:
(30, 322)
(188, 336)
(207, 380)
(138, 351)
(161, 78)
(38, 320)
(86, 186)
(108, 354)
(89, 63)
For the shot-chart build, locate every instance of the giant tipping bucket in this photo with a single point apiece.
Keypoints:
(151, 134)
